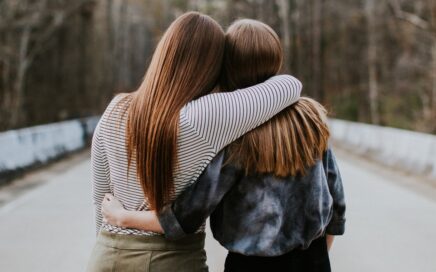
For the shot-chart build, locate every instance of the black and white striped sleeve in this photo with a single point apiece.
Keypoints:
(100, 176)
(221, 118)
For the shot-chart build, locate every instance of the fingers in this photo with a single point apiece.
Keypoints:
(108, 197)
(104, 204)
(104, 212)
(105, 201)
(103, 207)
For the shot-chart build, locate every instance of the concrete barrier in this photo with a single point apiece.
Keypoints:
(411, 151)
(25, 147)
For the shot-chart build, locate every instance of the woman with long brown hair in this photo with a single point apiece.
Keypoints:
(275, 195)
(151, 144)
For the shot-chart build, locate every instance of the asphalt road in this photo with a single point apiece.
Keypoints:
(391, 221)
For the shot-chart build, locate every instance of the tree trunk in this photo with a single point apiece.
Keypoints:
(433, 88)
(316, 49)
(297, 53)
(370, 8)
(18, 86)
(286, 32)
(433, 69)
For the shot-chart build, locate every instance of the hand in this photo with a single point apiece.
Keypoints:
(329, 240)
(113, 211)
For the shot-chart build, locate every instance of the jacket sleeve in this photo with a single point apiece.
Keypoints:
(194, 205)
(337, 223)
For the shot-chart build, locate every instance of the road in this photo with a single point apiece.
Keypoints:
(391, 222)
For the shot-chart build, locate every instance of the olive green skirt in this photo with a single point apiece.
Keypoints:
(117, 252)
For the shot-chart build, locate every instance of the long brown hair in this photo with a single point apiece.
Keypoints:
(185, 65)
(295, 138)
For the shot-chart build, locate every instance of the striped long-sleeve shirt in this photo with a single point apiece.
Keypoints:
(207, 125)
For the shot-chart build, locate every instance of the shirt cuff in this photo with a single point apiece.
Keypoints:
(170, 224)
(336, 228)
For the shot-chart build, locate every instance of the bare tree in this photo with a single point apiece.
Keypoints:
(286, 31)
(429, 27)
(81, 52)
(370, 9)
(316, 48)
(38, 23)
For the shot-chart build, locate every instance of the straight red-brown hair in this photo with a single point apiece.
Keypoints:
(185, 65)
(291, 141)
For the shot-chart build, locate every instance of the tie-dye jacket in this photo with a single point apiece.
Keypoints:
(260, 214)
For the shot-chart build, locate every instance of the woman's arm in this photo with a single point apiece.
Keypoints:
(329, 239)
(100, 176)
(221, 118)
(334, 180)
(187, 213)
(115, 214)
(194, 205)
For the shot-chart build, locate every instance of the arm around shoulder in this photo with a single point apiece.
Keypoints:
(194, 205)
(221, 118)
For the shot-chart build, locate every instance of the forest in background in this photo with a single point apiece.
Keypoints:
(371, 61)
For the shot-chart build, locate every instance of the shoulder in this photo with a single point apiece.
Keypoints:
(115, 115)
(329, 161)
(328, 154)
(119, 102)
(117, 107)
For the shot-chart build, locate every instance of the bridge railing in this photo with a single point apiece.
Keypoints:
(410, 151)
(25, 147)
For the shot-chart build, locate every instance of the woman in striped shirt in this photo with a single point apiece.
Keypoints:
(151, 144)
(275, 195)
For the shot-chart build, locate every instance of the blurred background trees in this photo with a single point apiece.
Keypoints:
(64, 59)
(368, 60)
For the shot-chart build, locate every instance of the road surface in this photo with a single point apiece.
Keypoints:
(391, 221)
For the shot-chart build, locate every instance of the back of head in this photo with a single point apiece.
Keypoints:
(253, 53)
(295, 138)
(185, 65)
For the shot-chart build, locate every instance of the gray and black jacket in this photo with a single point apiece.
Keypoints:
(260, 214)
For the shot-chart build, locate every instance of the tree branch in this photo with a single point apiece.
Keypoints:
(58, 21)
(407, 16)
